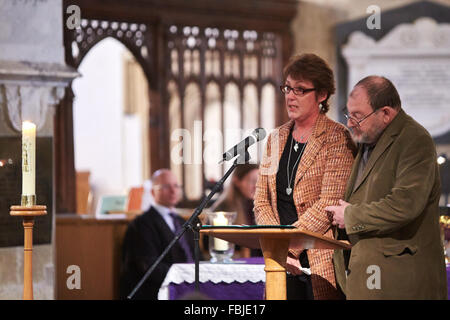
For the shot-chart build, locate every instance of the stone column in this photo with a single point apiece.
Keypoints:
(33, 76)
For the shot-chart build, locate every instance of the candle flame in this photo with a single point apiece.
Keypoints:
(27, 125)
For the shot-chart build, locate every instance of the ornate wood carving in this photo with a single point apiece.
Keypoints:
(135, 36)
(145, 27)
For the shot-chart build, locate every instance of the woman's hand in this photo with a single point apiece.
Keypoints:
(293, 266)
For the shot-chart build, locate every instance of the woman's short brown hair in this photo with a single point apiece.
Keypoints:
(312, 68)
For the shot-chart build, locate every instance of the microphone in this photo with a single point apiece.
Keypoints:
(257, 135)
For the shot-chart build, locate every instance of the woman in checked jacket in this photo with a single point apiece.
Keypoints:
(305, 167)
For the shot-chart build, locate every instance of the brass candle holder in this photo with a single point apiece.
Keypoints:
(28, 210)
(444, 222)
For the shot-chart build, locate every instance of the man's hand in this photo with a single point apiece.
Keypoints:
(293, 266)
(338, 213)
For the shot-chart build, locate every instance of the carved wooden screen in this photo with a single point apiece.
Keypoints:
(198, 66)
(137, 38)
(220, 85)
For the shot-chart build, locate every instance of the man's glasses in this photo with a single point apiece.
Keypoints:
(356, 122)
(297, 91)
(168, 186)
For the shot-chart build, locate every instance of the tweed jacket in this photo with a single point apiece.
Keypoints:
(320, 181)
(393, 219)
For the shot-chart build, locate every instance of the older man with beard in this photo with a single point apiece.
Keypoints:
(391, 208)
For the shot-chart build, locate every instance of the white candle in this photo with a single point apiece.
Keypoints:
(28, 158)
(220, 220)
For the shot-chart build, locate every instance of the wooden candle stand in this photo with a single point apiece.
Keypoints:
(28, 213)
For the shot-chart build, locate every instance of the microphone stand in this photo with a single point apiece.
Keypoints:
(194, 224)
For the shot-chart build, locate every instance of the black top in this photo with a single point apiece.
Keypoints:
(285, 203)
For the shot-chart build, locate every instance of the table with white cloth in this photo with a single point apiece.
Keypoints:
(243, 279)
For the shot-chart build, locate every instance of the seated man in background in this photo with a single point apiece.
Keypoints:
(149, 234)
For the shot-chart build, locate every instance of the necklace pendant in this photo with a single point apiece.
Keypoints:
(296, 147)
(288, 191)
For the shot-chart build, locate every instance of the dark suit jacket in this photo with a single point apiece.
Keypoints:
(393, 219)
(146, 238)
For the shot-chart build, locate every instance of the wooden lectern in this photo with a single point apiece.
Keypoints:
(275, 243)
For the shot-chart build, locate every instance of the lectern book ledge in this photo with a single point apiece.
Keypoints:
(250, 237)
(244, 226)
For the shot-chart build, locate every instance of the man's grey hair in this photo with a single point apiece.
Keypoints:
(381, 92)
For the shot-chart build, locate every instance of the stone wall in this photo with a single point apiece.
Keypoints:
(313, 26)
(32, 80)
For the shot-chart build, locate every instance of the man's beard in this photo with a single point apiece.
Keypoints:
(368, 137)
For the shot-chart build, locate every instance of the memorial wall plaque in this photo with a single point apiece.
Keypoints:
(416, 58)
(11, 229)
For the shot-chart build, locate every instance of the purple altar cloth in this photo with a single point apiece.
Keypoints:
(236, 291)
(222, 291)
(448, 281)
